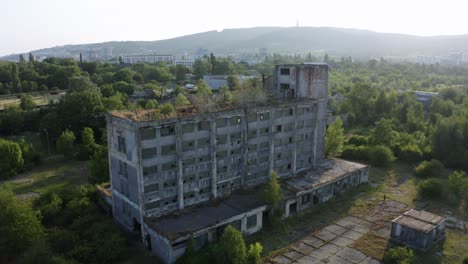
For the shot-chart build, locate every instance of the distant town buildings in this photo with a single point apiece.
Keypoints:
(148, 58)
(218, 81)
(418, 229)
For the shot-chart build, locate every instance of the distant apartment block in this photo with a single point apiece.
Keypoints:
(148, 58)
(186, 63)
(193, 174)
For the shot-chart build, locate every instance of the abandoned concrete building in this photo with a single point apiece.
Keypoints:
(417, 229)
(191, 175)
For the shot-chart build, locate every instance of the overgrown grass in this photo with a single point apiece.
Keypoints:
(372, 245)
(53, 174)
(395, 183)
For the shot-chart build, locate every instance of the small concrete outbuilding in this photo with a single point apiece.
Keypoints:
(418, 229)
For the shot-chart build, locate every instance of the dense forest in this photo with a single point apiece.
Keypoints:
(380, 124)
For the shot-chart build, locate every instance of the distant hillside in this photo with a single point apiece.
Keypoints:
(335, 41)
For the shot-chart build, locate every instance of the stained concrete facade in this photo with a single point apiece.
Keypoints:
(167, 173)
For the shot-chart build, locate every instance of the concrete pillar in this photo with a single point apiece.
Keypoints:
(294, 151)
(314, 148)
(271, 140)
(244, 147)
(180, 171)
(214, 161)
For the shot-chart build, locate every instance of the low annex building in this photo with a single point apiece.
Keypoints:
(192, 174)
(417, 229)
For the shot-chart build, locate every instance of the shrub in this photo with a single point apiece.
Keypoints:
(430, 188)
(166, 109)
(65, 143)
(353, 152)
(11, 161)
(426, 169)
(465, 260)
(254, 253)
(458, 183)
(410, 153)
(232, 247)
(358, 140)
(381, 156)
(399, 255)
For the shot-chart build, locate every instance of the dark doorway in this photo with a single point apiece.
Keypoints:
(220, 231)
(293, 209)
(315, 199)
(136, 225)
(291, 93)
(148, 242)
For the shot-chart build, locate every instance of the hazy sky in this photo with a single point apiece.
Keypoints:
(33, 24)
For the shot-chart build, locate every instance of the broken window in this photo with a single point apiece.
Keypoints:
(167, 130)
(221, 122)
(123, 169)
(187, 145)
(204, 125)
(148, 153)
(278, 128)
(169, 166)
(284, 86)
(148, 133)
(151, 188)
(251, 221)
(187, 127)
(150, 170)
(203, 142)
(285, 71)
(169, 149)
(122, 146)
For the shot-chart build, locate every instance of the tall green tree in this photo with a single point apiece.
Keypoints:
(335, 138)
(11, 161)
(99, 166)
(383, 133)
(272, 192)
(232, 249)
(65, 143)
(27, 103)
(14, 77)
(19, 225)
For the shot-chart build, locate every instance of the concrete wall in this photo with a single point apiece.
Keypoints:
(201, 157)
(309, 198)
(169, 251)
(416, 239)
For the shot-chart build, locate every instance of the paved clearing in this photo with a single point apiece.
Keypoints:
(339, 242)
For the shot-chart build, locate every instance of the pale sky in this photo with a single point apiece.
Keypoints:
(27, 25)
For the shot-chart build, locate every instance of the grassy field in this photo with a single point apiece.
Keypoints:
(395, 183)
(39, 100)
(52, 174)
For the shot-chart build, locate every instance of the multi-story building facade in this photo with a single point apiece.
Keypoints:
(148, 58)
(159, 167)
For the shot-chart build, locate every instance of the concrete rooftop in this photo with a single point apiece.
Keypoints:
(419, 220)
(207, 214)
(330, 171)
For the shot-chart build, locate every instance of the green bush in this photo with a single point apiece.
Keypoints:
(65, 144)
(358, 140)
(410, 153)
(465, 260)
(11, 161)
(426, 169)
(399, 255)
(381, 156)
(353, 152)
(431, 188)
